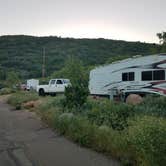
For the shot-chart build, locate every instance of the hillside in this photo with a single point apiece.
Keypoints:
(24, 53)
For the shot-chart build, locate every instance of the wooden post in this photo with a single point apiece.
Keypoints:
(44, 64)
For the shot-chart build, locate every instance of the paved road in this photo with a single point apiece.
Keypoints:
(26, 141)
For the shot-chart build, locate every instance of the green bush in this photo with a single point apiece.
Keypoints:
(17, 99)
(152, 105)
(5, 91)
(76, 96)
(147, 139)
(99, 126)
(105, 112)
(50, 103)
(76, 128)
(109, 127)
(102, 139)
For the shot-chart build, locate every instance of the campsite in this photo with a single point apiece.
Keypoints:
(82, 83)
(126, 131)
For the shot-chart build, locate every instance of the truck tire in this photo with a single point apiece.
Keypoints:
(53, 94)
(41, 92)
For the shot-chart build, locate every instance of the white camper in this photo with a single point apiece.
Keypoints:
(138, 75)
(32, 84)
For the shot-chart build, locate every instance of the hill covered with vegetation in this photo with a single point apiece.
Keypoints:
(23, 54)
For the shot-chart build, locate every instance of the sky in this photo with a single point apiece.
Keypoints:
(131, 20)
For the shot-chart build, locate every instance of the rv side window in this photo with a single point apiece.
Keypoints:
(159, 75)
(153, 75)
(128, 76)
(124, 76)
(131, 76)
(146, 75)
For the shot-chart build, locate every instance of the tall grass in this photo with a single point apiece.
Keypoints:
(5, 91)
(116, 129)
(133, 134)
(153, 105)
(17, 99)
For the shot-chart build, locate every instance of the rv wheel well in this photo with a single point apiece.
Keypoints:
(136, 93)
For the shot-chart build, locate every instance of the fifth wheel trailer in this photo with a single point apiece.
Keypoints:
(32, 84)
(138, 75)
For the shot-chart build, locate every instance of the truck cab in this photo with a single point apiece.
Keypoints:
(55, 86)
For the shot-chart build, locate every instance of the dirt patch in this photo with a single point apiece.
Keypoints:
(4, 98)
(32, 104)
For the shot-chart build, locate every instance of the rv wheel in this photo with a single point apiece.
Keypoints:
(134, 99)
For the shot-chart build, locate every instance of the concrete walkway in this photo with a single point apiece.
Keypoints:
(26, 141)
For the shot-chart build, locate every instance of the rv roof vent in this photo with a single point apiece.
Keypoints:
(125, 60)
(115, 62)
(162, 54)
(137, 56)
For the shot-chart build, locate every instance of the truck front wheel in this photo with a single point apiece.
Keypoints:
(41, 92)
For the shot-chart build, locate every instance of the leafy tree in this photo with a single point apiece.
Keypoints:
(74, 70)
(12, 79)
(162, 37)
(2, 74)
(24, 53)
(77, 93)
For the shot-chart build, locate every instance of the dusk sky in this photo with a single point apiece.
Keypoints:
(132, 20)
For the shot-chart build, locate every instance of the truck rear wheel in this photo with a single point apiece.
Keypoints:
(41, 92)
(53, 94)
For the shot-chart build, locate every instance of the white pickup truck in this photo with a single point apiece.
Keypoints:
(55, 86)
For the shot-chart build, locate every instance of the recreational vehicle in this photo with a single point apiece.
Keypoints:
(138, 75)
(32, 84)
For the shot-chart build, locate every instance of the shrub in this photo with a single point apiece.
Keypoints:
(146, 136)
(76, 96)
(116, 129)
(111, 128)
(17, 99)
(5, 91)
(101, 139)
(52, 103)
(76, 128)
(105, 112)
(152, 105)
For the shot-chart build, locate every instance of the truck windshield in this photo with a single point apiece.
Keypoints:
(66, 81)
(52, 82)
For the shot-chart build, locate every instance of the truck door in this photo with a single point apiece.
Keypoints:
(52, 86)
(60, 86)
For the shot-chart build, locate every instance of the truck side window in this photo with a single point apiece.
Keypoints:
(52, 82)
(59, 82)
